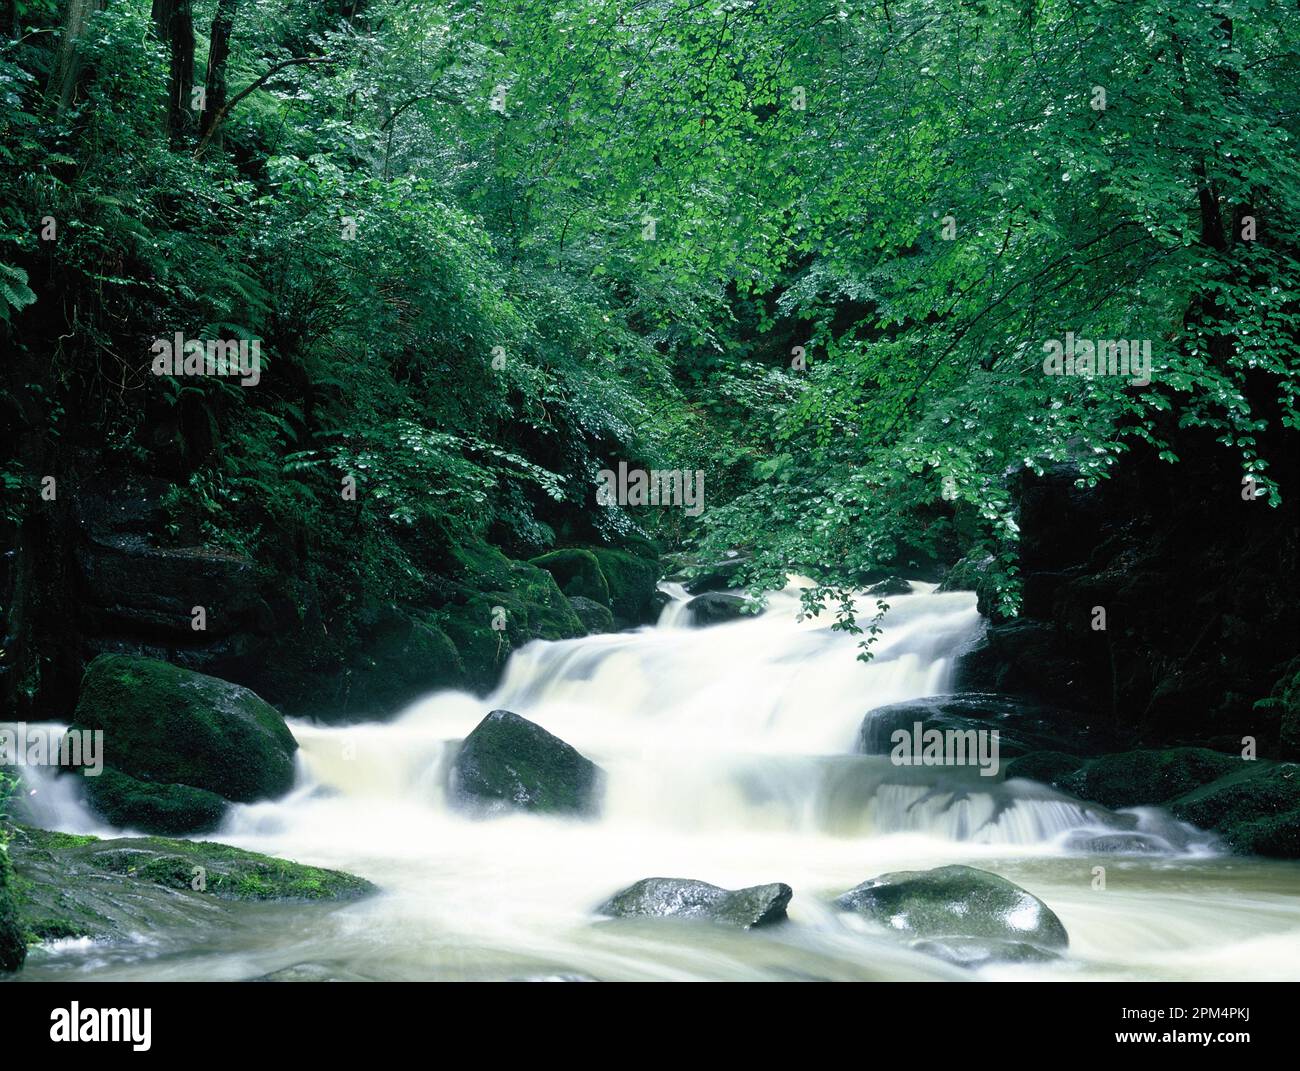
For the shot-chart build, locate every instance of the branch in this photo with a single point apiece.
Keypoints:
(217, 119)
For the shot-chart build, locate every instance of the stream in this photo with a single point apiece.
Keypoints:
(729, 754)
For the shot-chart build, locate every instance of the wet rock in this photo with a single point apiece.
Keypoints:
(1023, 726)
(892, 585)
(171, 726)
(956, 902)
(976, 952)
(577, 572)
(1255, 809)
(124, 801)
(595, 618)
(715, 576)
(508, 762)
(1114, 843)
(1137, 778)
(633, 582)
(717, 607)
(683, 898)
(402, 655)
(78, 886)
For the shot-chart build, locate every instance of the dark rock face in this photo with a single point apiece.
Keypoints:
(892, 585)
(595, 618)
(171, 726)
(967, 911)
(682, 898)
(719, 576)
(716, 607)
(633, 582)
(402, 656)
(508, 762)
(1022, 726)
(1197, 586)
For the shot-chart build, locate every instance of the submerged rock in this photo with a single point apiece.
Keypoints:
(507, 761)
(976, 952)
(715, 607)
(172, 726)
(683, 898)
(78, 886)
(962, 911)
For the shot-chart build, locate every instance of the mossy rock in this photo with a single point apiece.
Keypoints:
(523, 599)
(123, 801)
(508, 762)
(1049, 767)
(1255, 809)
(632, 582)
(1137, 778)
(684, 898)
(78, 886)
(404, 655)
(595, 618)
(13, 943)
(577, 572)
(173, 726)
(956, 902)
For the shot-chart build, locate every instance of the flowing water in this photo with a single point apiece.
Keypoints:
(729, 758)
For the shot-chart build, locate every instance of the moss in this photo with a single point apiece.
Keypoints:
(13, 941)
(1049, 767)
(577, 572)
(632, 583)
(1135, 778)
(1255, 809)
(122, 800)
(172, 726)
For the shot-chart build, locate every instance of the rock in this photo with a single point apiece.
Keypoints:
(976, 952)
(683, 898)
(577, 572)
(956, 902)
(1137, 778)
(1030, 660)
(893, 585)
(490, 588)
(78, 886)
(595, 618)
(1049, 767)
(124, 801)
(632, 582)
(719, 576)
(717, 607)
(402, 656)
(1254, 809)
(1114, 843)
(507, 761)
(1022, 726)
(172, 726)
(13, 941)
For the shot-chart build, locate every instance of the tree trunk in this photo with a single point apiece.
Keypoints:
(175, 19)
(223, 24)
(67, 65)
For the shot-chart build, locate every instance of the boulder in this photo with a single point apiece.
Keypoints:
(124, 801)
(508, 762)
(577, 572)
(891, 585)
(632, 582)
(595, 618)
(1022, 725)
(683, 898)
(173, 726)
(957, 902)
(1255, 809)
(718, 576)
(717, 607)
(402, 655)
(1138, 778)
(975, 952)
(80, 886)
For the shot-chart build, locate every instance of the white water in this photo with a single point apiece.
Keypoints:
(728, 754)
